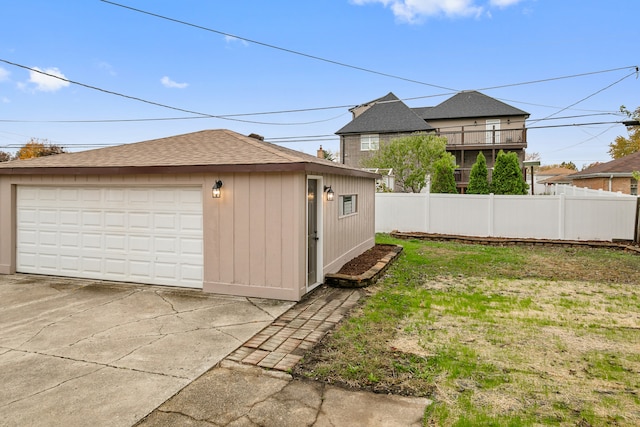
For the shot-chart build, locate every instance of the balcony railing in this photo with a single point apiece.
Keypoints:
(485, 137)
(462, 175)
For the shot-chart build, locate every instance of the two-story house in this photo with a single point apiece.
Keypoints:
(471, 122)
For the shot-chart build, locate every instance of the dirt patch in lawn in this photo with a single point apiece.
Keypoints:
(366, 260)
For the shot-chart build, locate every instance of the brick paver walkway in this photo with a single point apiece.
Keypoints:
(283, 343)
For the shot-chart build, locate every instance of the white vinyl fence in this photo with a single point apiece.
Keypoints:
(539, 217)
(570, 190)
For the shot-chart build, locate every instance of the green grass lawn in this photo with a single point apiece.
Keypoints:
(504, 336)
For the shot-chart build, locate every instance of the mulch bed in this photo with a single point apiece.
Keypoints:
(364, 262)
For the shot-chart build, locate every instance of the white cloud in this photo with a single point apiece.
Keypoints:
(415, 10)
(231, 39)
(5, 100)
(504, 3)
(167, 82)
(46, 83)
(105, 66)
(4, 74)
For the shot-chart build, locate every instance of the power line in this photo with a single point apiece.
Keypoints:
(318, 138)
(234, 117)
(157, 104)
(271, 46)
(589, 96)
(634, 67)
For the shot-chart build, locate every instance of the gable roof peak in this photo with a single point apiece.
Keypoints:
(387, 114)
(469, 104)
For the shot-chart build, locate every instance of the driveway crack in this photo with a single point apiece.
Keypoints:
(53, 387)
(192, 418)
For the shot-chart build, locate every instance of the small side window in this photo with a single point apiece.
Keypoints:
(369, 142)
(348, 204)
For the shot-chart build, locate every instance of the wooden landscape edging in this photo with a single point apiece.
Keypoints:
(504, 241)
(367, 278)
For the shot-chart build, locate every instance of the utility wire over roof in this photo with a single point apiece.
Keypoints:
(385, 115)
(469, 104)
(203, 151)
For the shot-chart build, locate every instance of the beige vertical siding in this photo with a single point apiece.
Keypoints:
(256, 241)
(349, 236)
(7, 226)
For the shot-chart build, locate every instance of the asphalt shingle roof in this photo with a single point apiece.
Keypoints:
(387, 115)
(206, 149)
(623, 165)
(468, 104)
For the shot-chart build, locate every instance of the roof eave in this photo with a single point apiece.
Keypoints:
(147, 170)
(602, 175)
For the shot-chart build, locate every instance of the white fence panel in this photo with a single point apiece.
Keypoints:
(589, 218)
(537, 217)
(452, 214)
(526, 217)
(570, 190)
(408, 209)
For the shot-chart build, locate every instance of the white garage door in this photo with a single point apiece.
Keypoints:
(134, 234)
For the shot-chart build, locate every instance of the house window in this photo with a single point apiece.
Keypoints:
(369, 142)
(634, 187)
(348, 205)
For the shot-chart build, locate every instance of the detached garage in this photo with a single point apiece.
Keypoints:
(214, 210)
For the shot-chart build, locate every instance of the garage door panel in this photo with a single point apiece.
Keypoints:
(91, 265)
(115, 243)
(67, 195)
(145, 235)
(69, 217)
(69, 264)
(140, 244)
(164, 221)
(48, 239)
(28, 261)
(138, 197)
(27, 238)
(69, 240)
(48, 263)
(92, 219)
(140, 221)
(27, 216)
(166, 245)
(116, 267)
(47, 217)
(192, 273)
(140, 269)
(115, 219)
(91, 241)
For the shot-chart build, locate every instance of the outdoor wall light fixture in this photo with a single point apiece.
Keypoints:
(329, 192)
(215, 191)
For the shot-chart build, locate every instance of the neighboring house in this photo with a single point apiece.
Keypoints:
(615, 175)
(471, 122)
(547, 177)
(146, 213)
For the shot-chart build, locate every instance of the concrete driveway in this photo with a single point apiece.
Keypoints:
(79, 352)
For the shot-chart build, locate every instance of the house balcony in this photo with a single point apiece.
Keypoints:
(479, 139)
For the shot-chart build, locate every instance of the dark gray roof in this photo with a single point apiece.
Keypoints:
(468, 104)
(387, 115)
(622, 166)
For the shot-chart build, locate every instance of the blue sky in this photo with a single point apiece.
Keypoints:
(440, 45)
